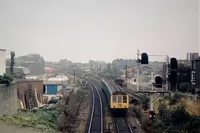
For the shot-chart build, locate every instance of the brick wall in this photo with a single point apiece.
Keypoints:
(36, 84)
(22, 87)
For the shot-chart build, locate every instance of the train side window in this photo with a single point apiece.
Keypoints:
(124, 99)
(114, 99)
(119, 99)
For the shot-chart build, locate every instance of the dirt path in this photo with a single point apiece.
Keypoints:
(12, 129)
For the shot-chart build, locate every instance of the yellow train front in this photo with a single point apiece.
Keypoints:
(118, 100)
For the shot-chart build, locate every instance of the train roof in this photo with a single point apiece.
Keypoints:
(111, 88)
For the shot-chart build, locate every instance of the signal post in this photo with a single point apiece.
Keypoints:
(144, 60)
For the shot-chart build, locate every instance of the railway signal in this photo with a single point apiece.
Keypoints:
(173, 63)
(173, 73)
(144, 58)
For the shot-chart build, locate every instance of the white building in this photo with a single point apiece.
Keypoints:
(2, 61)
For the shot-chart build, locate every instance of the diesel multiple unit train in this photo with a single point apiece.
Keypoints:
(118, 100)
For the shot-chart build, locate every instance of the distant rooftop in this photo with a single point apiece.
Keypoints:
(2, 49)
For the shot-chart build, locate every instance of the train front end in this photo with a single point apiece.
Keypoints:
(119, 103)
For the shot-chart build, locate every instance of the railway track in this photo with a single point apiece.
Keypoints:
(138, 96)
(122, 125)
(96, 117)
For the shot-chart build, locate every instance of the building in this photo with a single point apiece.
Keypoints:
(2, 61)
(36, 68)
(184, 63)
(192, 56)
(197, 71)
(18, 72)
(53, 85)
(22, 86)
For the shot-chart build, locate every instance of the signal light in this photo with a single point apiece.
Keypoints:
(144, 58)
(173, 63)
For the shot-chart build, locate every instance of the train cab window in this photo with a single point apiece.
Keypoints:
(114, 99)
(124, 99)
(119, 99)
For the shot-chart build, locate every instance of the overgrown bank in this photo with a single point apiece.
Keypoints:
(57, 116)
(178, 114)
(174, 114)
(43, 119)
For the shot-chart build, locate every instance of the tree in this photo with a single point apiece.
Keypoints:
(30, 57)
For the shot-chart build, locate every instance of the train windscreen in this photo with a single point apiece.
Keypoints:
(114, 99)
(124, 99)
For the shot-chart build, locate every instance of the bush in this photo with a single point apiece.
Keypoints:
(178, 120)
(44, 119)
(166, 97)
(193, 124)
(175, 99)
(6, 79)
(179, 116)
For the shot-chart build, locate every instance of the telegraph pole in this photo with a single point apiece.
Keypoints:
(138, 70)
(115, 72)
(167, 73)
(12, 62)
(74, 77)
(126, 74)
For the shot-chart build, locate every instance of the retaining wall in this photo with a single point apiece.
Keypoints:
(8, 100)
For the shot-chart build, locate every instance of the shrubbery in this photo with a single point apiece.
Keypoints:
(178, 120)
(44, 119)
(175, 99)
(6, 79)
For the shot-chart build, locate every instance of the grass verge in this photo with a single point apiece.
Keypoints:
(43, 119)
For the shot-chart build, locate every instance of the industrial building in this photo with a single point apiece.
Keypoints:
(35, 68)
(196, 67)
(2, 61)
(53, 85)
(192, 56)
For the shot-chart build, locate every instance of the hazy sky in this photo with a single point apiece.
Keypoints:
(80, 30)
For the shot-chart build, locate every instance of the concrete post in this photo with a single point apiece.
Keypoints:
(151, 102)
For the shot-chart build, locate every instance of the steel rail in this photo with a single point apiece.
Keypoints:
(92, 112)
(122, 125)
(94, 118)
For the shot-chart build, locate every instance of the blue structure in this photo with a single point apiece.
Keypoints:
(51, 89)
(54, 85)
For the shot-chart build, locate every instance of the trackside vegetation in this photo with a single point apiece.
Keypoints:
(43, 119)
(176, 115)
(6, 79)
